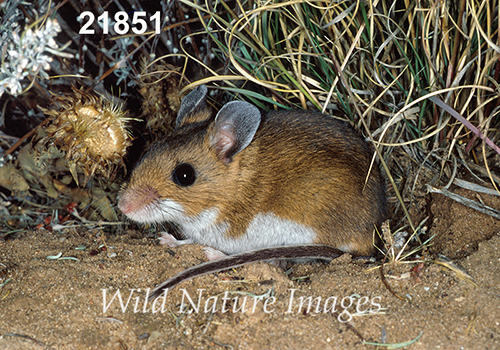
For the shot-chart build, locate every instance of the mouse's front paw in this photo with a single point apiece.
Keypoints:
(172, 242)
(213, 254)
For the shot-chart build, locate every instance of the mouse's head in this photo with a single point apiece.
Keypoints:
(192, 170)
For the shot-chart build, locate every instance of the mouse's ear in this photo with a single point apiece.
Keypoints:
(234, 128)
(193, 103)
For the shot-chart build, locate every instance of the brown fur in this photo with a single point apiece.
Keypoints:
(301, 166)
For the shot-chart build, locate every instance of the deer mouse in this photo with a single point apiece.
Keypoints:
(246, 181)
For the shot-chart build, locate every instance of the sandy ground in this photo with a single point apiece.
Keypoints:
(60, 304)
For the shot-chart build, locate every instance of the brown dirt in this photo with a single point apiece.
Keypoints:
(461, 230)
(58, 304)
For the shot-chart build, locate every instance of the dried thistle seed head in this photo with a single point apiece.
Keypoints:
(159, 87)
(91, 131)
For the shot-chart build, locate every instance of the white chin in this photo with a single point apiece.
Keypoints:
(164, 210)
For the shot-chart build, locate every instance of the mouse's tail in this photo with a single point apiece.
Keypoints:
(308, 251)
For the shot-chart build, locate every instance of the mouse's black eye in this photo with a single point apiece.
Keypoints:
(184, 175)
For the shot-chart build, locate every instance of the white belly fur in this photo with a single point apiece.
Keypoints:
(266, 230)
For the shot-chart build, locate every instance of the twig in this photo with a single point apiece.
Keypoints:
(384, 281)
(29, 134)
(29, 338)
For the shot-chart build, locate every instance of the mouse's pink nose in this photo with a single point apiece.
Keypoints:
(133, 200)
(125, 205)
